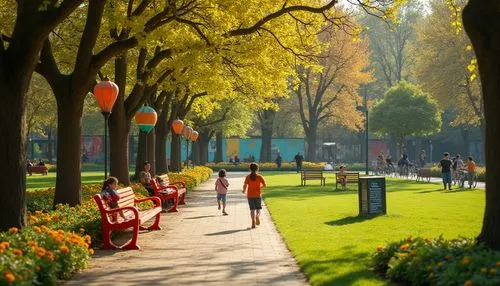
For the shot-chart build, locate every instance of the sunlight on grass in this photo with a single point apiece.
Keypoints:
(37, 181)
(333, 245)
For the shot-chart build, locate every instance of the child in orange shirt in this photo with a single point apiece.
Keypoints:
(252, 186)
(471, 169)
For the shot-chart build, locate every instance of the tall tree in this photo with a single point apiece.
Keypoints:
(331, 93)
(480, 20)
(20, 43)
(405, 110)
(443, 66)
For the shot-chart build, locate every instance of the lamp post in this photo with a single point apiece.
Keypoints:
(146, 118)
(177, 128)
(364, 109)
(193, 138)
(106, 93)
(187, 132)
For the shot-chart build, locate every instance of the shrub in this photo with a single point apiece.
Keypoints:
(39, 256)
(192, 177)
(285, 166)
(438, 261)
(480, 171)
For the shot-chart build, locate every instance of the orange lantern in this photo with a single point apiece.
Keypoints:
(106, 93)
(178, 126)
(194, 136)
(187, 132)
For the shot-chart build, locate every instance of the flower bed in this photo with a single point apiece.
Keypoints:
(58, 242)
(438, 261)
(285, 166)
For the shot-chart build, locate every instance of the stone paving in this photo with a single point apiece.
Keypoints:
(198, 246)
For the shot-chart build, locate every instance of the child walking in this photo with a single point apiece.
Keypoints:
(252, 186)
(110, 195)
(221, 186)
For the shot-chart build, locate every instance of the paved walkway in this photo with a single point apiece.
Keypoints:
(198, 245)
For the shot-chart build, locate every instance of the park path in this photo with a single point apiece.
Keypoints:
(198, 246)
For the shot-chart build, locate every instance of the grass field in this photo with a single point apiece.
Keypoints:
(37, 181)
(333, 245)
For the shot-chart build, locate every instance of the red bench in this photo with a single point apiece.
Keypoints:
(165, 190)
(38, 169)
(134, 217)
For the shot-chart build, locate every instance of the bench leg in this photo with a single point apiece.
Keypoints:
(132, 243)
(106, 240)
(156, 224)
(173, 209)
(181, 199)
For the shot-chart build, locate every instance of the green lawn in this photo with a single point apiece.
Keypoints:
(333, 245)
(37, 181)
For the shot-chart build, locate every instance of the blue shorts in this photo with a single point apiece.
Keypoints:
(255, 203)
(221, 197)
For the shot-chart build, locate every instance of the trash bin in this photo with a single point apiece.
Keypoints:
(371, 195)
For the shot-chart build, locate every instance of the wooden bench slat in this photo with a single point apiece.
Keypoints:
(312, 175)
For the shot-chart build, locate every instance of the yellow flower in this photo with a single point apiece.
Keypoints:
(468, 283)
(413, 253)
(498, 264)
(18, 252)
(484, 270)
(10, 277)
(13, 230)
(33, 219)
(493, 271)
(440, 264)
(64, 249)
(37, 229)
(380, 248)
(465, 260)
(82, 229)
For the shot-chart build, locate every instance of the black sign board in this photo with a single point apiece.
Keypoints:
(371, 194)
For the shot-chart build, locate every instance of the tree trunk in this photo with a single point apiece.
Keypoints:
(203, 143)
(13, 151)
(68, 180)
(481, 23)
(175, 150)
(161, 132)
(465, 136)
(266, 119)
(141, 154)
(150, 154)
(311, 142)
(50, 145)
(219, 157)
(195, 153)
(119, 126)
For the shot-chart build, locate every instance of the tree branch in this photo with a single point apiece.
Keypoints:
(112, 50)
(274, 15)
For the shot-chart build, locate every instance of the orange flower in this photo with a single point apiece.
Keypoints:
(6, 244)
(87, 238)
(404, 246)
(91, 251)
(64, 249)
(10, 277)
(18, 252)
(82, 229)
(32, 243)
(468, 283)
(498, 264)
(13, 230)
(37, 268)
(380, 248)
(50, 256)
(40, 251)
(37, 229)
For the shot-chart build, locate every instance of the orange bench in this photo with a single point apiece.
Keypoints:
(134, 217)
(38, 169)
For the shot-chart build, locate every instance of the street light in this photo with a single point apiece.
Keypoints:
(146, 118)
(364, 108)
(177, 127)
(187, 132)
(193, 138)
(106, 93)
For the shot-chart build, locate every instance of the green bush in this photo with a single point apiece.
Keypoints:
(438, 261)
(243, 167)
